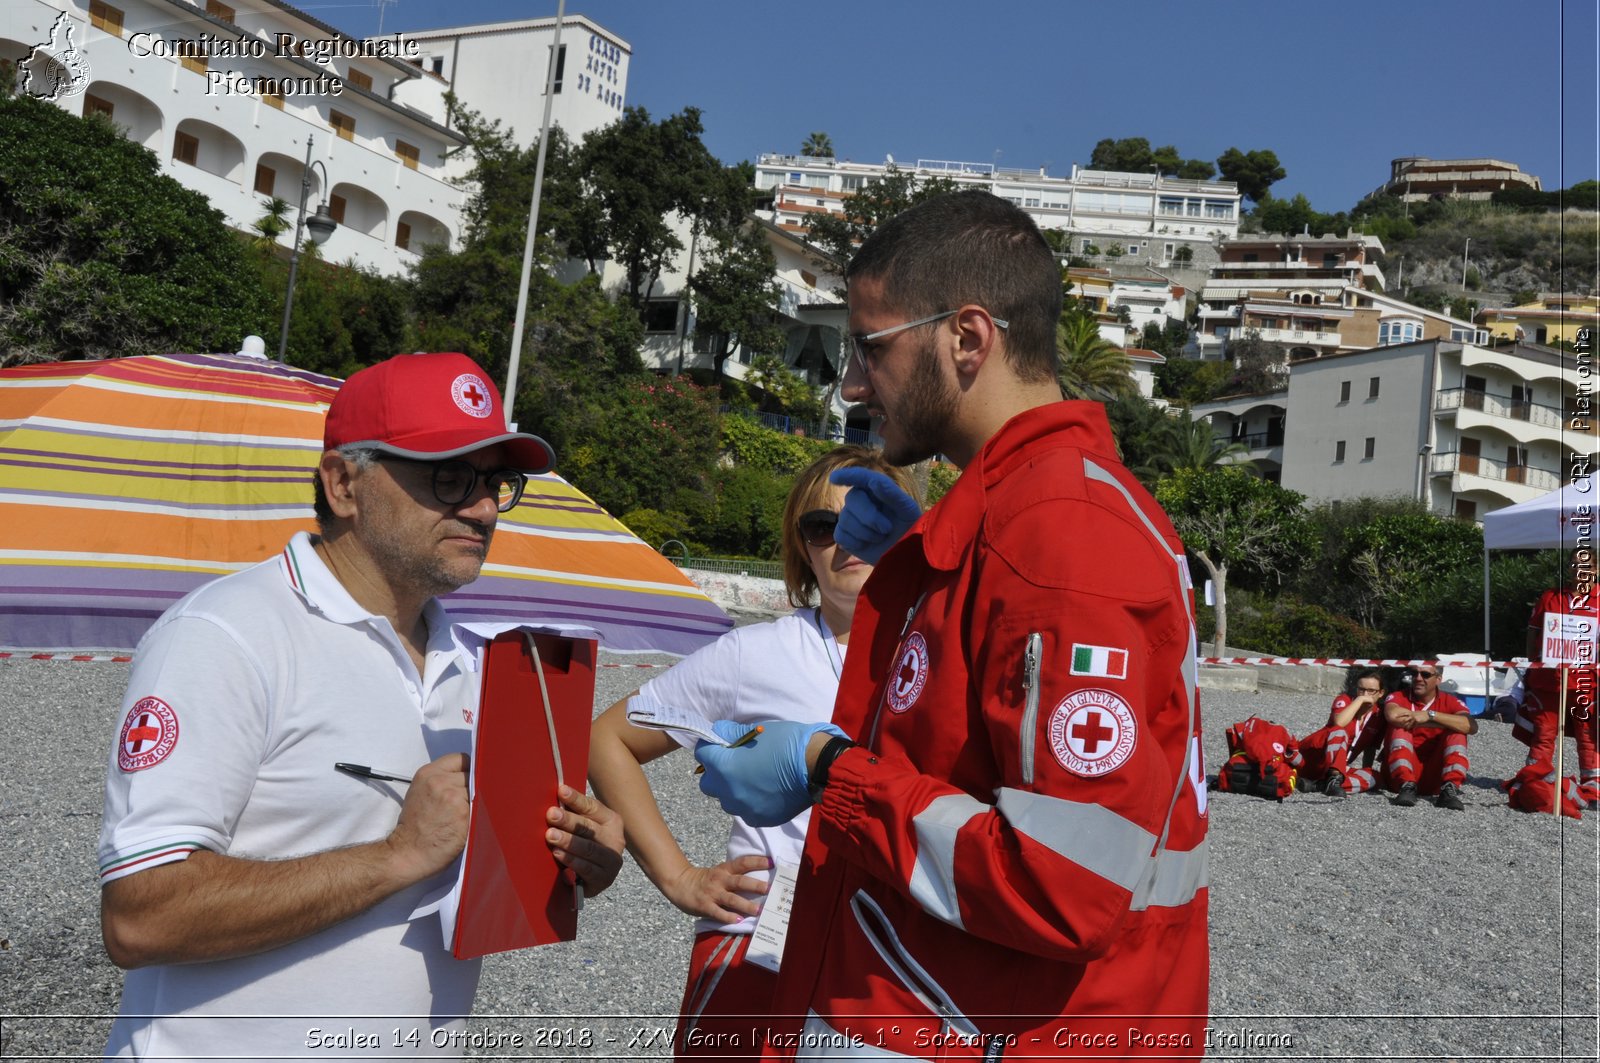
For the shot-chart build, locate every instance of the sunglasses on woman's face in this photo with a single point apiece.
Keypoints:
(816, 527)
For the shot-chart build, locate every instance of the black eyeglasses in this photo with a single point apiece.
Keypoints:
(816, 527)
(1425, 675)
(455, 481)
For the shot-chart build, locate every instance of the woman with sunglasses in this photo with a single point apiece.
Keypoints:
(788, 669)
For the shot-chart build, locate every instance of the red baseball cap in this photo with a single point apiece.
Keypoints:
(428, 407)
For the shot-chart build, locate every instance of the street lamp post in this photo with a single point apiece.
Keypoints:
(321, 225)
(1464, 251)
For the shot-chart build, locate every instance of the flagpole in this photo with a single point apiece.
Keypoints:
(533, 223)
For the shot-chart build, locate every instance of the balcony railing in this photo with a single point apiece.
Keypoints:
(1284, 335)
(1500, 406)
(1477, 465)
(1257, 440)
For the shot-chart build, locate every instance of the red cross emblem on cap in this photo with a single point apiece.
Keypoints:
(472, 395)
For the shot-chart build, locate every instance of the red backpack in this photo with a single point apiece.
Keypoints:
(1262, 760)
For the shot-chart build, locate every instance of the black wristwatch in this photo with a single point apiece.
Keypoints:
(825, 758)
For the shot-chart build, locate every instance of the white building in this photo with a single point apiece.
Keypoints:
(500, 70)
(227, 95)
(1463, 428)
(1146, 218)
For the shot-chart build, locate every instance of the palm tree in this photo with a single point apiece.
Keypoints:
(1088, 365)
(818, 145)
(272, 224)
(1192, 444)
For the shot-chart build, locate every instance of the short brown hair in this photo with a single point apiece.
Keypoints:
(971, 247)
(807, 494)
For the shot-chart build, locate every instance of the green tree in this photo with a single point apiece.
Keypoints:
(1142, 432)
(1259, 366)
(877, 202)
(273, 223)
(1167, 340)
(637, 175)
(1192, 444)
(1088, 365)
(1297, 215)
(818, 146)
(736, 296)
(101, 255)
(784, 391)
(1191, 380)
(1128, 155)
(1254, 172)
(1235, 522)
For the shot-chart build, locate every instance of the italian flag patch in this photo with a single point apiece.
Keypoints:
(1106, 662)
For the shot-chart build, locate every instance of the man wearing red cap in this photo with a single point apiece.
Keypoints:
(260, 900)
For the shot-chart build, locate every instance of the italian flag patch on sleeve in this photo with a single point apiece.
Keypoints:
(1106, 662)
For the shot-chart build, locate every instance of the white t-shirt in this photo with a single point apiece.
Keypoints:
(240, 700)
(785, 670)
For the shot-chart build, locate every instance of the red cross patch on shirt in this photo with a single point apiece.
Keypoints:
(149, 735)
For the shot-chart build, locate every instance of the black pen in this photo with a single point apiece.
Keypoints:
(370, 773)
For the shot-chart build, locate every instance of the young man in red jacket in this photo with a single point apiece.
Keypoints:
(1427, 747)
(1007, 855)
(1354, 725)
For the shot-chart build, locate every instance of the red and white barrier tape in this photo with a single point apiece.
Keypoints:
(64, 657)
(125, 658)
(1361, 662)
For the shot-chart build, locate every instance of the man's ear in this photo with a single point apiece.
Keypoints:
(338, 483)
(977, 339)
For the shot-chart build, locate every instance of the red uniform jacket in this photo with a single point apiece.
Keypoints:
(1016, 859)
(1545, 683)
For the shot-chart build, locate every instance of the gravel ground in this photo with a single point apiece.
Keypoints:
(1340, 929)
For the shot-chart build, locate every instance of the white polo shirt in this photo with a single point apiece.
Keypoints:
(785, 670)
(240, 700)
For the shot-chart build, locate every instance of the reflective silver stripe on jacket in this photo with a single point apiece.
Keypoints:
(1116, 849)
(933, 879)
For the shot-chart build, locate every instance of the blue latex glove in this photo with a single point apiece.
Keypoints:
(764, 782)
(876, 512)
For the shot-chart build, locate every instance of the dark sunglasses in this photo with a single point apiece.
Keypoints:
(1425, 675)
(816, 527)
(455, 481)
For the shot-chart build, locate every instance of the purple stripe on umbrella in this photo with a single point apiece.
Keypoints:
(67, 610)
(105, 592)
(234, 361)
(304, 476)
(165, 439)
(181, 507)
(615, 601)
(133, 580)
(151, 463)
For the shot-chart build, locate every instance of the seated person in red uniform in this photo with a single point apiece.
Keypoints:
(1536, 723)
(1427, 747)
(1354, 725)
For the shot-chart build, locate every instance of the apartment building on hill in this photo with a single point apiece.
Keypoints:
(1147, 218)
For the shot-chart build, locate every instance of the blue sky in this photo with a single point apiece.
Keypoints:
(1031, 83)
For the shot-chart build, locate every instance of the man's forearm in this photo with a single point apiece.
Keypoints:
(212, 907)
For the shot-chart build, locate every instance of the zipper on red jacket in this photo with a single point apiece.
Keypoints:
(900, 645)
(1032, 658)
(880, 935)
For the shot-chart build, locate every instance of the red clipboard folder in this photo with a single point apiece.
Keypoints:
(513, 893)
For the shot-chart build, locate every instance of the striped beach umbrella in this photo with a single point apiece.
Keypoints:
(126, 483)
